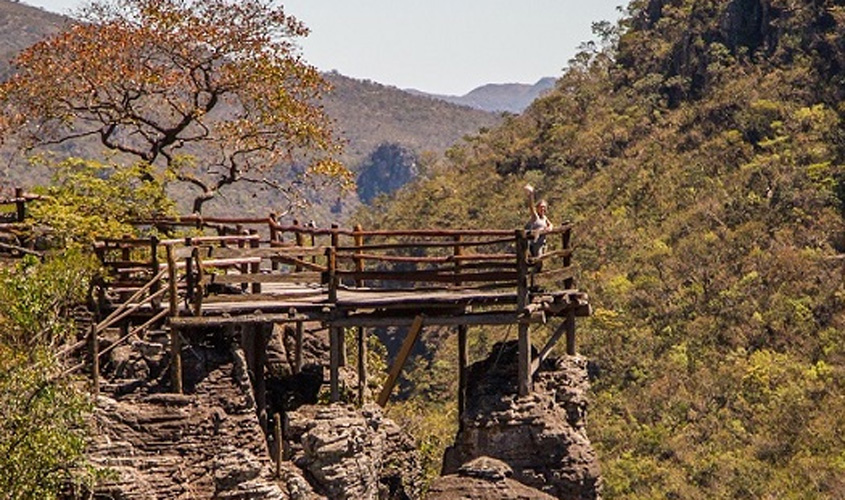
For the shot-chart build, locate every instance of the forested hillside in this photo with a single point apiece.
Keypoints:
(700, 155)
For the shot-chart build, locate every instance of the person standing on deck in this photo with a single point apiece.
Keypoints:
(538, 224)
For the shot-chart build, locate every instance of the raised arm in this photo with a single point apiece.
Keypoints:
(529, 192)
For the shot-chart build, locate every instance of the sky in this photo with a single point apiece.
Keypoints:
(438, 46)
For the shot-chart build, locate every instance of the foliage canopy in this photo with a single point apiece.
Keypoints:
(702, 159)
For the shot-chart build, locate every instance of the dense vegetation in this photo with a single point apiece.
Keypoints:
(699, 151)
(42, 412)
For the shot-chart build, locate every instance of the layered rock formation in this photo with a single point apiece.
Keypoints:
(484, 478)
(349, 453)
(209, 442)
(204, 444)
(542, 437)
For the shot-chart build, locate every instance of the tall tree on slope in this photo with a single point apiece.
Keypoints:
(162, 80)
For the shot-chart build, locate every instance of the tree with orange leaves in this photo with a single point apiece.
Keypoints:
(162, 80)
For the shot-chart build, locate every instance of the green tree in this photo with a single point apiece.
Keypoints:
(42, 413)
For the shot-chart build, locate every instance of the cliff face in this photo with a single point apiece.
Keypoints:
(206, 443)
(541, 437)
(209, 442)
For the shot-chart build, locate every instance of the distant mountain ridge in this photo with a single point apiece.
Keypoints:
(498, 97)
(22, 25)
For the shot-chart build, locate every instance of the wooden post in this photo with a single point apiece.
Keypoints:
(463, 359)
(335, 242)
(244, 268)
(190, 279)
(277, 436)
(297, 356)
(362, 365)
(256, 267)
(154, 269)
(524, 353)
(94, 352)
(125, 254)
(565, 237)
(300, 242)
(334, 368)
(570, 332)
(359, 262)
(20, 205)
(457, 252)
(331, 273)
(399, 362)
(257, 336)
(175, 339)
(569, 284)
(274, 236)
(199, 287)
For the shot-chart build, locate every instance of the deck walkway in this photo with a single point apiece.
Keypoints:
(247, 273)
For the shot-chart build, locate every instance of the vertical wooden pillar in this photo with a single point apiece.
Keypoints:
(570, 332)
(463, 359)
(359, 262)
(300, 242)
(334, 368)
(341, 340)
(254, 339)
(277, 437)
(565, 237)
(20, 205)
(297, 355)
(274, 237)
(175, 338)
(362, 365)
(255, 268)
(94, 353)
(244, 268)
(154, 269)
(125, 246)
(524, 353)
(457, 251)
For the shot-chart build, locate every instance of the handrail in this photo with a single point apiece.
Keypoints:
(452, 258)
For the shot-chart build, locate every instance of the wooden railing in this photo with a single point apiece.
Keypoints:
(12, 216)
(339, 268)
(338, 259)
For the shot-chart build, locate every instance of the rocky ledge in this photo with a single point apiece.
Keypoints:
(542, 437)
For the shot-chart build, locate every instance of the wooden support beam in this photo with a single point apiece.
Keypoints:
(255, 268)
(463, 360)
(399, 362)
(570, 332)
(20, 205)
(490, 318)
(362, 364)
(277, 437)
(94, 354)
(524, 354)
(297, 356)
(334, 363)
(241, 319)
(175, 338)
(547, 349)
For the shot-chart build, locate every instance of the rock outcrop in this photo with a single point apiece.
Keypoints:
(350, 453)
(542, 437)
(484, 478)
(203, 444)
(209, 442)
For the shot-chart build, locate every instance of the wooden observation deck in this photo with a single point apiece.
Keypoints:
(243, 272)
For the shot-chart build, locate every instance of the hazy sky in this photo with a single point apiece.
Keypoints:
(439, 46)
